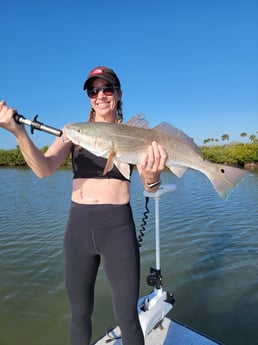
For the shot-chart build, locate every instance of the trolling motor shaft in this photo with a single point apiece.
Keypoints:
(35, 124)
(154, 307)
(155, 277)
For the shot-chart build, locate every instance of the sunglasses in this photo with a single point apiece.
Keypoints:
(108, 90)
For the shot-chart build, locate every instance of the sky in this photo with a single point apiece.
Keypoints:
(193, 64)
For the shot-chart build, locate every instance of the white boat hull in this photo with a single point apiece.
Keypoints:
(169, 333)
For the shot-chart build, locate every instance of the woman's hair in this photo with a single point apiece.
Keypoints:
(119, 113)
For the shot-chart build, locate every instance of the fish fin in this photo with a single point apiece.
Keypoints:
(167, 128)
(110, 162)
(124, 168)
(138, 121)
(178, 171)
(225, 178)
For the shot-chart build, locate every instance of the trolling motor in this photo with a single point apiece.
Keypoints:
(35, 124)
(154, 307)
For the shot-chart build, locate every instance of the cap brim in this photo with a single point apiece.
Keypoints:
(89, 80)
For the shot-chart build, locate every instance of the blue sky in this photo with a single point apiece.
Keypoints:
(191, 63)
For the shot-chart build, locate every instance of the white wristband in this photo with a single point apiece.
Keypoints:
(152, 185)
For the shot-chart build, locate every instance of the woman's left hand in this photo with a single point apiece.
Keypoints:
(152, 163)
(154, 159)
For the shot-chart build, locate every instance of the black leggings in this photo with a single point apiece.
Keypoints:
(104, 232)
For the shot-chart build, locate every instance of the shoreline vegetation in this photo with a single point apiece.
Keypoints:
(244, 155)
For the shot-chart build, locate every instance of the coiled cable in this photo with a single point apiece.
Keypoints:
(144, 222)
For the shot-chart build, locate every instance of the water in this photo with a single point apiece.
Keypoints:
(209, 258)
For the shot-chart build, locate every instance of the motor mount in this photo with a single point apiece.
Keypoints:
(154, 279)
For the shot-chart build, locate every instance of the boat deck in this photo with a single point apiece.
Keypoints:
(171, 333)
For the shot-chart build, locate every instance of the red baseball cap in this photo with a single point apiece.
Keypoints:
(103, 73)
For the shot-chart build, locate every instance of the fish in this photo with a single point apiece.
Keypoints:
(124, 144)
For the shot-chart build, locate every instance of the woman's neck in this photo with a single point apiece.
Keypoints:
(106, 118)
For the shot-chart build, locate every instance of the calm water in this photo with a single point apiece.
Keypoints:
(209, 258)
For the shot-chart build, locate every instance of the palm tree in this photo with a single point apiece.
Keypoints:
(206, 141)
(252, 137)
(225, 137)
(243, 134)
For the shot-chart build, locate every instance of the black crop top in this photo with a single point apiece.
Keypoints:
(87, 165)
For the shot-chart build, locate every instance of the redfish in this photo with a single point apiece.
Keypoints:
(124, 144)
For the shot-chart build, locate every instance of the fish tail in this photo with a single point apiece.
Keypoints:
(225, 178)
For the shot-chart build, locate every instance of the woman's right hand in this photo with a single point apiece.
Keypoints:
(6, 119)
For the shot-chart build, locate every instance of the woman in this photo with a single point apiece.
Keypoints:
(100, 224)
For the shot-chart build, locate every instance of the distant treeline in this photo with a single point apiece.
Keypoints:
(14, 158)
(237, 154)
(243, 155)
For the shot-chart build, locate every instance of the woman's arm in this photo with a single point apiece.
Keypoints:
(46, 164)
(42, 164)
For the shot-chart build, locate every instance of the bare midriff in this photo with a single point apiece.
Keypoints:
(100, 191)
